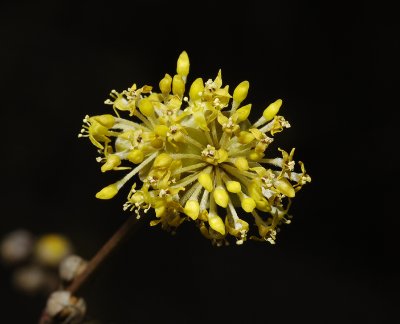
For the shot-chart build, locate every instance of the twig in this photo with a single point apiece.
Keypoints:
(96, 261)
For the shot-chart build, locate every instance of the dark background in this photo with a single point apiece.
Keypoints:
(333, 66)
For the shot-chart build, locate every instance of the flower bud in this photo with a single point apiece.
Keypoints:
(216, 223)
(222, 155)
(221, 197)
(196, 89)
(135, 156)
(270, 112)
(233, 186)
(50, 249)
(241, 163)
(162, 161)
(157, 143)
(105, 120)
(242, 113)
(206, 181)
(256, 156)
(113, 161)
(192, 209)
(165, 84)
(146, 107)
(71, 267)
(16, 246)
(240, 92)
(183, 64)
(97, 129)
(263, 205)
(248, 204)
(108, 192)
(65, 307)
(245, 137)
(161, 130)
(178, 86)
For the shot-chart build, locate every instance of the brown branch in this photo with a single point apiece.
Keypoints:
(96, 261)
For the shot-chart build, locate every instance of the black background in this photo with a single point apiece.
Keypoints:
(333, 66)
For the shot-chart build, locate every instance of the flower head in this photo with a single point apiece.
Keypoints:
(198, 157)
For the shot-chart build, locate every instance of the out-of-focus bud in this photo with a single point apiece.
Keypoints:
(51, 249)
(33, 280)
(71, 267)
(16, 246)
(65, 308)
(29, 279)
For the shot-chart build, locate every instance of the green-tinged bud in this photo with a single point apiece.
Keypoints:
(263, 205)
(242, 113)
(155, 97)
(256, 156)
(271, 111)
(196, 89)
(111, 162)
(241, 163)
(108, 192)
(221, 197)
(135, 156)
(254, 190)
(245, 137)
(97, 129)
(216, 223)
(206, 181)
(233, 186)
(162, 161)
(146, 107)
(161, 130)
(284, 187)
(165, 84)
(157, 143)
(240, 92)
(178, 86)
(105, 120)
(248, 204)
(183, 64)
(222, 155)
(192, 209)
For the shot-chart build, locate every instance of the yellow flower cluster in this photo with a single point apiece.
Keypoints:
(198, 157)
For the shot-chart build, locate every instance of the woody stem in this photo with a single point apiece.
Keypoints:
(97, 260)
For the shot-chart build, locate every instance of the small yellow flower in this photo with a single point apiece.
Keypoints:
(198, 157)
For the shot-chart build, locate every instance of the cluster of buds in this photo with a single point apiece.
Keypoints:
(45, 265)
(197, 157)
(34, 259)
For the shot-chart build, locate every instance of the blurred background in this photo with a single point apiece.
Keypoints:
(330, 63)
